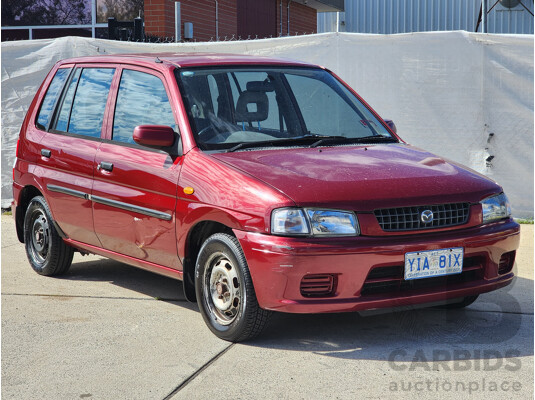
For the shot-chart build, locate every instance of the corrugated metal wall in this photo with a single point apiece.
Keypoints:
(400, 16)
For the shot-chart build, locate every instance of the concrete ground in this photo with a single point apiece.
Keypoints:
(110, 331)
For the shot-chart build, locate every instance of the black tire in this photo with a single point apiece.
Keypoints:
(464, 302)
(230, 311)
(47, 252)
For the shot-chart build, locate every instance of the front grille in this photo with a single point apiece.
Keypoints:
(318, 285)
(395, 271)
(382, 280)
(410, 218)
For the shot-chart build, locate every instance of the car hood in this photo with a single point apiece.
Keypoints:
(362, 178)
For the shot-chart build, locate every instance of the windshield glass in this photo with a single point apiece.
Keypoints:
(243, 107)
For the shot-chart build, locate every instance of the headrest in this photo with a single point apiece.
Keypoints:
(260, 86)
(252, 106)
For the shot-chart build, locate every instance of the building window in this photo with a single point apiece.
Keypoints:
(46, 12)
(43, 19)
(122, 10)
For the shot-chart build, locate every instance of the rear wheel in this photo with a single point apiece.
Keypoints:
(47, 252)
(225, 292)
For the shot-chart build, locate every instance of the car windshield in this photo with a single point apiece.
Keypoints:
(235, 108)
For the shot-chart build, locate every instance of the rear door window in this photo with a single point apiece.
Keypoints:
(141, 100)
(82, 111)
(52, 94)
(64, 113)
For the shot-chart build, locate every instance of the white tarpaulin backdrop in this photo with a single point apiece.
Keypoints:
(446, 91)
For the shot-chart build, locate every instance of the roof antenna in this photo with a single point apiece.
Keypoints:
(158, 61)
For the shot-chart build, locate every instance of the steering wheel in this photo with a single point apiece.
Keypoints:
(207, 133)
(210, 134)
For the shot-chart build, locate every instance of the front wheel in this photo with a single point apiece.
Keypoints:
(47, 252)
(225, 292)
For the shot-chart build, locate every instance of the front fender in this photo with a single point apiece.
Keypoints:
(191, 214)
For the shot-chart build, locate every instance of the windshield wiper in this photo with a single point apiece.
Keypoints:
(314, 139)
(244, 145)
(299, 140)
(363, 139)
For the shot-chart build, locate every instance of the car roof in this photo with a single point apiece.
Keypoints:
(186, 59)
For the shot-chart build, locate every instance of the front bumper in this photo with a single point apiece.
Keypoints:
(278, 265)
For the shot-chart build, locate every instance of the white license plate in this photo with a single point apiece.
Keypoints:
(427, 264)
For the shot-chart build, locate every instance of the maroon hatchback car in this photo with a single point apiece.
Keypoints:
(262, 184)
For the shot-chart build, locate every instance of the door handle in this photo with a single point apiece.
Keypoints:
(107, 166)
(46, 153)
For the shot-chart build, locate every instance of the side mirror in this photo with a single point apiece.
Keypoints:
(154, 135)
(391, 125)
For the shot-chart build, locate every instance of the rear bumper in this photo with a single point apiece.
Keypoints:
(278, 264)
(16, 211)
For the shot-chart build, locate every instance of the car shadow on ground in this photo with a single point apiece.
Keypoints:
(122, 275)
(352, 336)
(493, 322)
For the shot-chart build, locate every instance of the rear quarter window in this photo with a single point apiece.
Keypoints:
(52, 94)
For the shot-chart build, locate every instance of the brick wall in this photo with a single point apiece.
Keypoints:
(160, 18)
(202, 14)
(302, 18)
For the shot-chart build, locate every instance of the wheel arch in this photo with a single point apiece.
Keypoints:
(197, 235)
(27, 193)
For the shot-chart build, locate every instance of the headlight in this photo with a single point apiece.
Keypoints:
(289, 221)
(495, 208)
(312, 221)
(332, 223)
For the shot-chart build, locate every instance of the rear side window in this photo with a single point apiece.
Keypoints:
(142, 100)
(82, 111)
(47, 107)
(89, 103)
(64, 114)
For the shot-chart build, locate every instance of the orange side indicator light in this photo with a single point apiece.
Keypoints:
(188, 190)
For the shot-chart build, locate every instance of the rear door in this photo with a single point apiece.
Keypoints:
(135, 187)
(69, 147)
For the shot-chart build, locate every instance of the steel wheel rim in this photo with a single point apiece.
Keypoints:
(40, 236)
(222, 288)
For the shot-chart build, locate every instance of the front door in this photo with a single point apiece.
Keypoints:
(135, 187)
